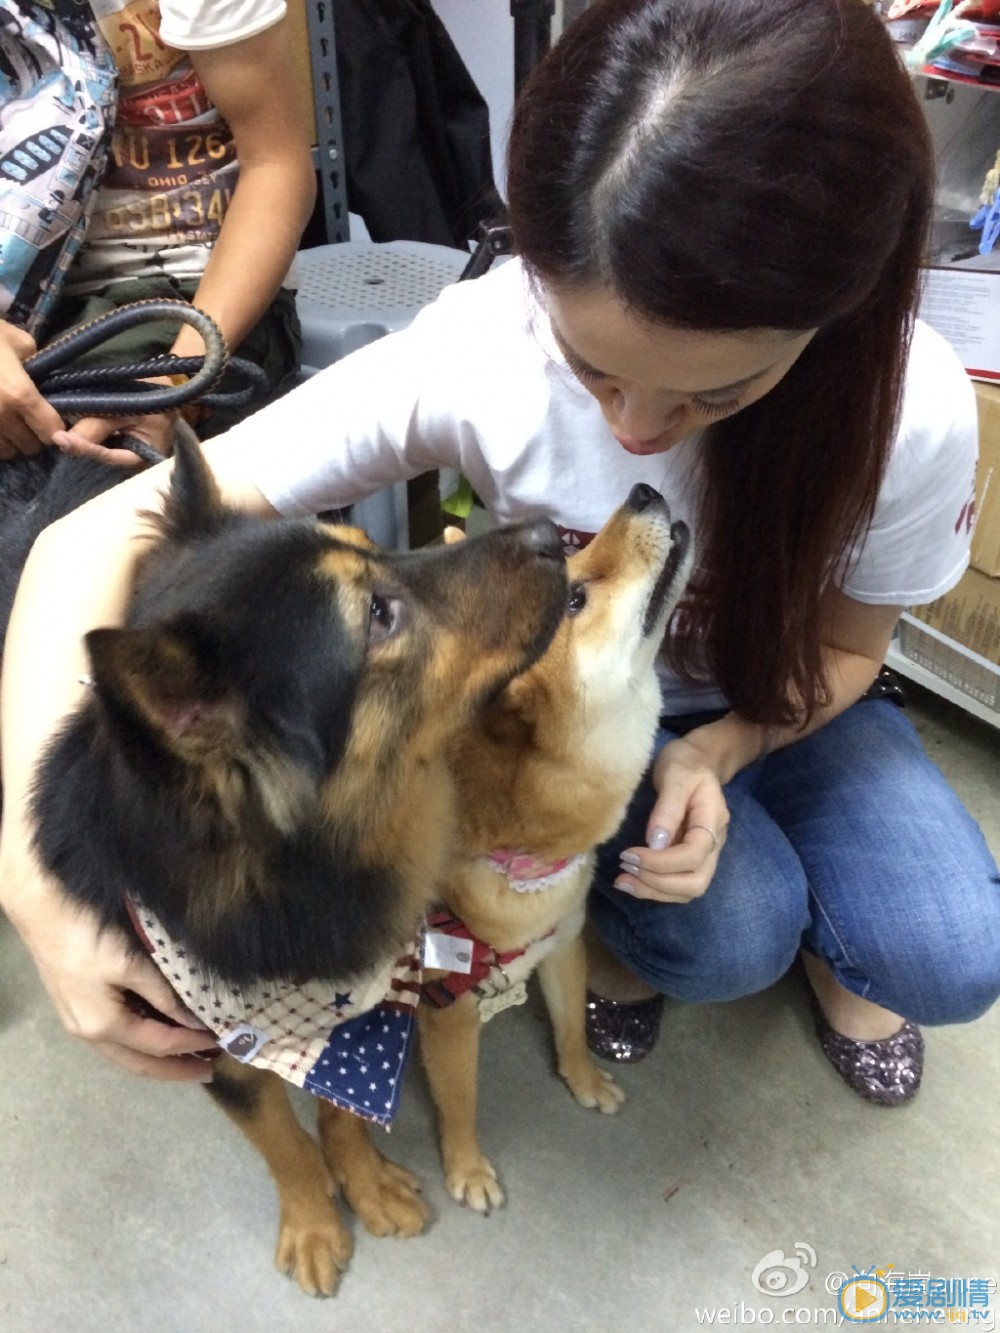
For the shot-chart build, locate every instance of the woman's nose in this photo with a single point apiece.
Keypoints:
(644, 417)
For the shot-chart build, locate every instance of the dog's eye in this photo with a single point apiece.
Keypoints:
(385, 617)
(577, 599)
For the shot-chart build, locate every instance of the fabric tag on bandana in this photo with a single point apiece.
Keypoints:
(347, 1042)
(451, 953)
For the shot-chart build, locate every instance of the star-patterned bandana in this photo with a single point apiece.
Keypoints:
(347, 1042)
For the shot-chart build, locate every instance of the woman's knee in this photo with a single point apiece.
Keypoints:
(906, 892)
(946, 985)
(934, 968)
(716, 968)
(738, 938)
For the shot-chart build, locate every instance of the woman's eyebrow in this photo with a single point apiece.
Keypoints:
(577, 361)
(573, 357)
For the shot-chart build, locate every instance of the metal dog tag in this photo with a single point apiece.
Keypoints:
(496, 1004)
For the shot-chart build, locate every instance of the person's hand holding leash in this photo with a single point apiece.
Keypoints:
(86, 438)
(27, 422)
(686, 829)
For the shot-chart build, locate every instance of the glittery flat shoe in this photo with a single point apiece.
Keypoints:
(886, 1072)
(623, 1030)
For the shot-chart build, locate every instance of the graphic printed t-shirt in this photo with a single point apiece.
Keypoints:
(172, 167)
(57, 102)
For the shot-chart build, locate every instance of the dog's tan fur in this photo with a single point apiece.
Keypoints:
(549, 768)
(395, 803)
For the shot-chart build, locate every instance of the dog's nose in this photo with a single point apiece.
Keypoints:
(641, 496)
(541, 537)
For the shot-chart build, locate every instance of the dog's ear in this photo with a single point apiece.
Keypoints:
(164, 686)
(513, 713)
(193, 507)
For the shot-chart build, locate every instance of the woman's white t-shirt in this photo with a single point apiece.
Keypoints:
(477, 383)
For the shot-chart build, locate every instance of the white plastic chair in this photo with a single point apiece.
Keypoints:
(349, 295)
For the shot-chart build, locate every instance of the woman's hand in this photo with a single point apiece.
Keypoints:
(87, 973)
(27, 422)
(686, 829)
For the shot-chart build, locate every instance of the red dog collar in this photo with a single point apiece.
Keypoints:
(449, 988)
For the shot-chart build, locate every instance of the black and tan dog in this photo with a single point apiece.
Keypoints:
(545, 773)
(262, 758)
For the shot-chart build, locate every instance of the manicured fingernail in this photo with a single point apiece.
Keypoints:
(623, 886)
(629, 859)
(658, 839)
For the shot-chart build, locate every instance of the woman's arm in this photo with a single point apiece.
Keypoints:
(78, 577)
(689, 773)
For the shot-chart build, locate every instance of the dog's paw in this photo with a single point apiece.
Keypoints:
(593, 1087)
(476, 1185)
(314, 1250)
(387, 1200)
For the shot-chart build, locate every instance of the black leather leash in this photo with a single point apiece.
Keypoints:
(122, 390)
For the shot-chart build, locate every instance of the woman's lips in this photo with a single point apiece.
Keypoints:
(641, 447)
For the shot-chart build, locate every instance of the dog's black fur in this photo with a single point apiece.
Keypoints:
(34, 492)
(200, 772)
(262, 759)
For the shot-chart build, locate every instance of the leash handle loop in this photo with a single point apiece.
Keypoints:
(121, 390)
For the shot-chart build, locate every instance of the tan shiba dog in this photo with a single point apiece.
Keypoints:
(544, 775)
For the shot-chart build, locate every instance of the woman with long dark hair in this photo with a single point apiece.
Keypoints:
(719, 208)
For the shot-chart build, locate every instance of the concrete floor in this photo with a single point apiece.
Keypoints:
(128, 1206)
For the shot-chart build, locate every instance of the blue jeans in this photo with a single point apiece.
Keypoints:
(849, 844)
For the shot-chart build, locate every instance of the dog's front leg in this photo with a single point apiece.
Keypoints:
(313, 1244)
(563, 975)
(385, 1196)
(449, 1045)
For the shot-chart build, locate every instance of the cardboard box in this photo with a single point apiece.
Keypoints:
(986, 535)
(969, 614)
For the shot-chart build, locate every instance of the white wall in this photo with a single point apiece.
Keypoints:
(483, 31)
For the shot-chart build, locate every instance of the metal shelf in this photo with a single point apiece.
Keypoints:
(955, 654)
(328, 155)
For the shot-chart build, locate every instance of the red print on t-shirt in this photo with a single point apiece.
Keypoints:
(574, 540)
(967, 514)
